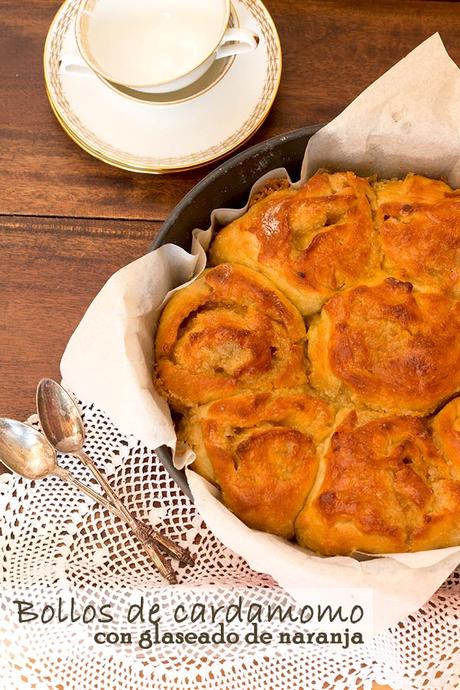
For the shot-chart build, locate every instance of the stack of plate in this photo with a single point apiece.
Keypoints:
(158, 133)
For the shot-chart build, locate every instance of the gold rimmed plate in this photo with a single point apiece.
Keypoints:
(188, 130)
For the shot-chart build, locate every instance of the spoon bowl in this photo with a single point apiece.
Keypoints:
(63, 427)
(59, 416)
(25, 450)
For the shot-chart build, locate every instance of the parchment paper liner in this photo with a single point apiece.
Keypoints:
(408, 120)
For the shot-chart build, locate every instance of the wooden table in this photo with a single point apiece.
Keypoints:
(69, 221)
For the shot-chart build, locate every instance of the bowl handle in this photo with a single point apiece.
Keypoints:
(72, 63)
(237, 41)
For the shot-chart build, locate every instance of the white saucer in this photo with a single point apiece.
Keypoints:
(159, 138)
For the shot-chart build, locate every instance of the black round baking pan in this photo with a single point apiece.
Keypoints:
(228, 186)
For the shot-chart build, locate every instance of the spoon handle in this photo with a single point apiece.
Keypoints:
(145, 533)
(162, 565)
(148, 533)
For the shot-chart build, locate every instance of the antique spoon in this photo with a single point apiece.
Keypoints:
(27, 452)
(63, 426)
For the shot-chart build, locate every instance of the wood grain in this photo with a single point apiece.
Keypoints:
(68, 221)
(332, 50)
(50, 270)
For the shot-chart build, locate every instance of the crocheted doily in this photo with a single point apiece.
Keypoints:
(51, 535)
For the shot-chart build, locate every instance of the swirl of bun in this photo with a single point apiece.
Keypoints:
(228, 331)
(418, 221)
(446, 429)
(311, 242)
(261, 450)
(369, 463)
(382, 486)
(387, 347)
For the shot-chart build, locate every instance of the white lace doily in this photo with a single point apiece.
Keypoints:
(50, 533)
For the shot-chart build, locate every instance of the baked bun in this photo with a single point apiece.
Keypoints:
(446, 429)
(418, 221)
(382, 486)
(335, 435)
(387, 347)
(261, 450)
(311, 242)
(230, 330)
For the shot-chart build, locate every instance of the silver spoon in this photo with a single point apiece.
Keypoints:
(27, 452)
(63, 426)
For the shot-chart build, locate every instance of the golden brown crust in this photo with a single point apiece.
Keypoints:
(446, 431)
(228, 331)
(382, 486)
(375, 266)
(311, 242)
(261, 450)
(269, 187)
(418, 221)
(387, 347)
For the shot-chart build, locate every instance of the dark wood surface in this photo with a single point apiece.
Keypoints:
(67, 221)
(332, 51)
(50, 270)
(58, 237)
